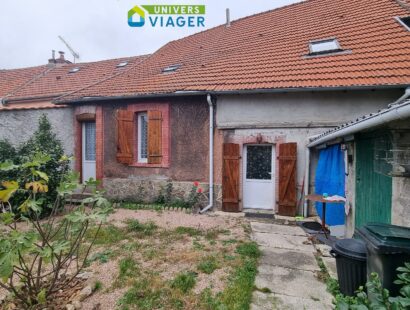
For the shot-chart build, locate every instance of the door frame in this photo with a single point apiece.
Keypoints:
(273, 172)
(83, 141)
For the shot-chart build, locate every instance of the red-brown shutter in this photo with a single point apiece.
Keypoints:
(287, 179)
(230, 177)
(125, 136)
(154, 137)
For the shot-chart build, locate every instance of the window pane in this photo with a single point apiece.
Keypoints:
(259, 162)
(143, 136)
(89, 135)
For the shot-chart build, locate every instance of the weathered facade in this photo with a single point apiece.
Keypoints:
(19, 126)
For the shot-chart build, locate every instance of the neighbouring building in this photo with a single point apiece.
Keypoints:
(377, 155)
(27, 93)
(250, 93)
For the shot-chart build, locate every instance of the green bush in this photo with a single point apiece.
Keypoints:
(47, 151)
(377, 297)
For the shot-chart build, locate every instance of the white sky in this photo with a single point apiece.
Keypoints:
(97, 29)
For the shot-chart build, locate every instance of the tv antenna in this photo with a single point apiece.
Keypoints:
(73, 52)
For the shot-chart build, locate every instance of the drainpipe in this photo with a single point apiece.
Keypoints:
(211, 155)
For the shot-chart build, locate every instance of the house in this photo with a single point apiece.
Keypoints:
(28, 92)
(377, 152)
(233, 106)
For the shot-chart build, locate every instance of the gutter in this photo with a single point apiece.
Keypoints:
(231, 92)
(211, 154)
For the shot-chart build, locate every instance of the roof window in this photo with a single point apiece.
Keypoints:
(324, 47)
(122, 64)
(171, 68)
(405, 21)
(74, 70)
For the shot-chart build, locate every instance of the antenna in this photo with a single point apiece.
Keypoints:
(74, 53)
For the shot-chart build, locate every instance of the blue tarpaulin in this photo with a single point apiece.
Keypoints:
(330, 179)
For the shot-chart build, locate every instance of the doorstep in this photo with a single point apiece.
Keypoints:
(259, 213)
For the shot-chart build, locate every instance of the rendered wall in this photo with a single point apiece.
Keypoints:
(18, 125)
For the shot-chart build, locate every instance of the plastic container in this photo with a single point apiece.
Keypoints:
(388, 247)
(350, 257)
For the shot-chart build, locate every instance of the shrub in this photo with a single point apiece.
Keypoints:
(34, 261)
(47, 151)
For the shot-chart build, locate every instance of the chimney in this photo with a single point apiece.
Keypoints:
(61, 59)
(228, 18)
(52, 60)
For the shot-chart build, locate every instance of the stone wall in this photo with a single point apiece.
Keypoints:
(17, 126)
(148, 190)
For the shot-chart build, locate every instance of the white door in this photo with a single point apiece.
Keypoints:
(88, 163)
(259, 178)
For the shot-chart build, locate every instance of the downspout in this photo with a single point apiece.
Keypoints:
(211, 154)
(307, 180)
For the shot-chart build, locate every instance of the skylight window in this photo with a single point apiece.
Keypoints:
(74, 70)
(171, 68)
(122, 64)
(324, 47)
(405, 21)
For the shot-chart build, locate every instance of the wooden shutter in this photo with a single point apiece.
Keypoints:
(154, 137)
(125, 136)
(287, 179)
(230, 177)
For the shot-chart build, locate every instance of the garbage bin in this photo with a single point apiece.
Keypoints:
(388, 247)
(350, 257)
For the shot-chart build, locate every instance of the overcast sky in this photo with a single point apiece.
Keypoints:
(97, 29)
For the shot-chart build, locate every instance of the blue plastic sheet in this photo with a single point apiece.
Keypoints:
(330, 179)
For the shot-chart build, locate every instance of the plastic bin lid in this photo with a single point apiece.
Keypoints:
(351, 248)
(386, 236)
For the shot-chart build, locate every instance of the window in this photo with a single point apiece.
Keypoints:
(142, 137)
(324, 47)
(404, 21)
(171, 68)
(74, 70)
(122, 64)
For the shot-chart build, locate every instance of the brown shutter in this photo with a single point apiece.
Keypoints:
(287, 179)
(125, 136)
(230, 177)
(154, 137)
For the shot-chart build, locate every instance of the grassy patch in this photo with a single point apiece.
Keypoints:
(208, 265)
(228, 242)
(128, 268)
(145, 229)
(102, 257)
(184, 281)
(249, 249)
(190, 231)
(108, 234)
(97, 286)
(213, 234)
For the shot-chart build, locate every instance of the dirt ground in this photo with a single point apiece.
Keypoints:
(165, 254)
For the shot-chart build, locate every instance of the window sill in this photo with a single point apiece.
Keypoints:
(146, 165)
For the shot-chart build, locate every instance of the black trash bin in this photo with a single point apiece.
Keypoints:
(350, 257)
(388, 247)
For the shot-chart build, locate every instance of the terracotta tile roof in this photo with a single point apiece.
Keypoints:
(56, 81)
(12, 79)
(269, 51)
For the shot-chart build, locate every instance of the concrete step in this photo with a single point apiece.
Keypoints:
(259, 213)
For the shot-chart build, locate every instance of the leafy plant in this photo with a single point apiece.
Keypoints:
(46, 151)
(249, 249)
(378, 297)
(34, 262)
